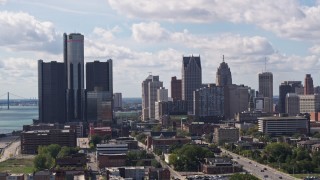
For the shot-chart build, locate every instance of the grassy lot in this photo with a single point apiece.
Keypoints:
(17, 166)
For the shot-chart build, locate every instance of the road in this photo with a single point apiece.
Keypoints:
(92, 162)
(12, 150)
(259, 170)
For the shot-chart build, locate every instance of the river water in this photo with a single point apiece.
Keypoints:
(17, 116)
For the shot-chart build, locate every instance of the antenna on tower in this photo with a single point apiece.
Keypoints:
(265, 64)
(223, 58)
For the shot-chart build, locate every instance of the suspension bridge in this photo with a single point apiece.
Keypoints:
(10, 99)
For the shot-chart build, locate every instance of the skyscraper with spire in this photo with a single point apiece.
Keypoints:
(266, 90)
(191, 79)
(73, 56)
(223, 76)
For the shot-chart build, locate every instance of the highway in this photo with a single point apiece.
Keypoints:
(259, 170)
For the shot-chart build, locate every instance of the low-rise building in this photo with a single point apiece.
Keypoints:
(220, 166)
(251, 116)
(226, 134)
(111, 160)
(164, 143)
(158, 173)
(101, 131)
(31, 140)
(283, 126)
(112, 148)
(79, 160)
(199, 128)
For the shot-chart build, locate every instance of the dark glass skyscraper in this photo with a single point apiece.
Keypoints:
(99, 74)
(308, 85)
(176, 93)
(285, 88)
(99, 98)
(191, 79)
(73, 53)
(51, 90)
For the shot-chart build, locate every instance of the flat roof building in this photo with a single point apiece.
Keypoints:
(279, 126)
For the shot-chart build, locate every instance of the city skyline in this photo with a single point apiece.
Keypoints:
(148, 36)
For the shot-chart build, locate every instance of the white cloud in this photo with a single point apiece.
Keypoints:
(315, 49)
(2, 2)
(149, 32)
(21, 31)
(107, 35)
(226, 43)
(286, 18)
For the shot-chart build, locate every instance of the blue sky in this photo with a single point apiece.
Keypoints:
(145, 36)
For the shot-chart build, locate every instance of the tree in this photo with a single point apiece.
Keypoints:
(67, 151)
(43, 161)
(243, 177)
(53, 150)
(157, 128)
(95, 139)
(155, 163)
(189, 157)
(277, 152)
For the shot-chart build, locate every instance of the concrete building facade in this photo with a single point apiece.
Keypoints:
(292, 104)
(309, 103)
(283, 126)
(149, 96)
(209, 101)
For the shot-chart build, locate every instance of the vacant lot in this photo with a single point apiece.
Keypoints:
(17, 166)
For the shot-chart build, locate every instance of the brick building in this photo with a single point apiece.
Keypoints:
(31, 140)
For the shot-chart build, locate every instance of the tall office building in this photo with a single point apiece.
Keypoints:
(191, 79)
(308, 85)
(266, 90)
(292, 104)
(99, 74)
(51, 91)
(117, 100)
(162, 94)
(223, 76)
(99, 85)
(149, 96)
(285, 88)
(73, 56)
(209, 101)
(176, 89)
(236, 99)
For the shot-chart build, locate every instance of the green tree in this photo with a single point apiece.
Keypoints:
(277, 152)
(157, 128)
(141, 137)
(43, 161)
(243, 177)
(95, 139)
(67, 151)
(189, 157)
(53, 150)
(155, 163)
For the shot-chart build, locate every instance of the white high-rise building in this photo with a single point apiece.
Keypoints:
(162, 94)
(149, 96)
